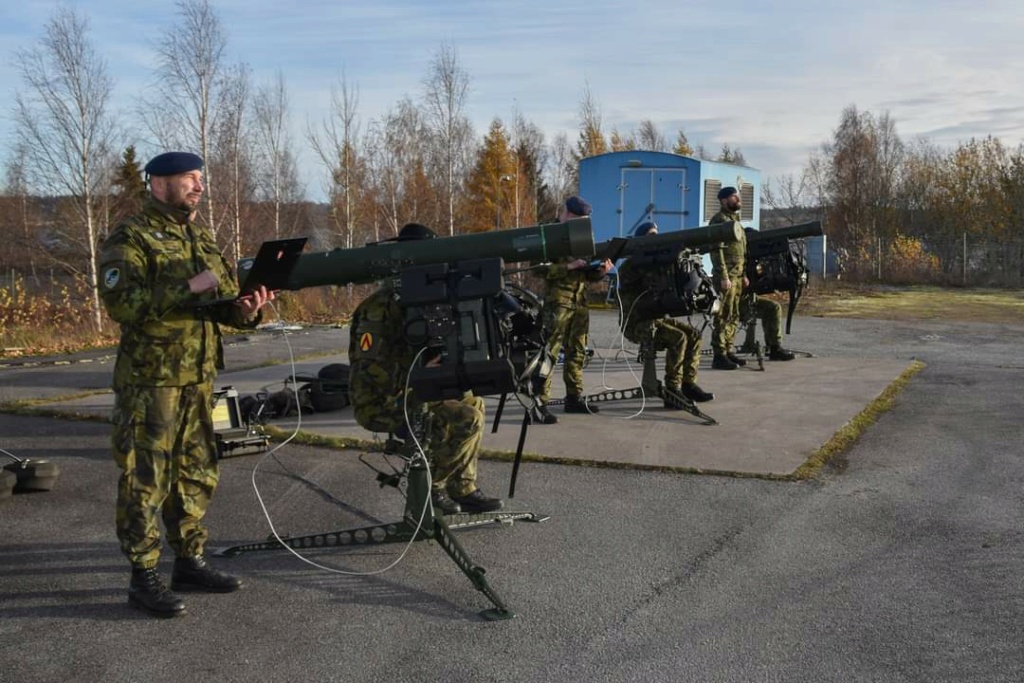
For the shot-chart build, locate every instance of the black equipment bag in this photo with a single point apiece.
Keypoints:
(778, 265)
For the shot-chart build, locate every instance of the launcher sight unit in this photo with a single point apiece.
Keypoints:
(389, 258)
(668, 267)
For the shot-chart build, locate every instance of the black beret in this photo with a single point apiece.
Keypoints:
(645, 228)
(726, 192)
(578, 206)
(173, 163)
(415, 231)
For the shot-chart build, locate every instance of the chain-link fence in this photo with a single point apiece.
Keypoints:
(960, 261)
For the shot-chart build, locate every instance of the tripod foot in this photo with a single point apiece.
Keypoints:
(497, 614)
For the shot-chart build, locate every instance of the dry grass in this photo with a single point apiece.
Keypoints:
(913, 303)
(39, 325)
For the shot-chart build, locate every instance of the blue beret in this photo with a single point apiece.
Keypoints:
(645, 228)
(173, 163)
(726, 192)
(415, 231)
(578, 206)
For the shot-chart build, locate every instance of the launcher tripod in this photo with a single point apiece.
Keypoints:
(419, 523)
(650, 385)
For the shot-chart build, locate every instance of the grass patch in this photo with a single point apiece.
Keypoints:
(913, 303)
(848, 434)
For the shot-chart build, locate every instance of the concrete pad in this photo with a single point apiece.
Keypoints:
(770, 422)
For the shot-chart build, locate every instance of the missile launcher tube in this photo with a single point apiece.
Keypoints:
(690, 238)
(376, 261)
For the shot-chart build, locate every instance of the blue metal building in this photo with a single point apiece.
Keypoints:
(676, 192)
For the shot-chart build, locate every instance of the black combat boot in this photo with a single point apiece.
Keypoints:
(779, 353)
(443, 503)
(147, 592)
(693, 392)
(542, 416)
(194, 574)
(722, 363)
(476, 501)
(736, 359)
(574, 404)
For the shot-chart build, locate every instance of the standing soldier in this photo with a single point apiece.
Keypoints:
(155, 267)
(381, 359)
(567, 319)
(727, 265)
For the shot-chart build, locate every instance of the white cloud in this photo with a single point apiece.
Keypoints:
(770, 78)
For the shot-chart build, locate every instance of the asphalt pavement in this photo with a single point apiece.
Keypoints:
(899, 561)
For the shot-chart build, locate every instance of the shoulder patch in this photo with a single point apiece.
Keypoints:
(366, 341)
(111, 276)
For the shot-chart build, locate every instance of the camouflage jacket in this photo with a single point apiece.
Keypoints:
(144, 267)
(566, 287)
(380, 359)
(631, 287)
(728, 259)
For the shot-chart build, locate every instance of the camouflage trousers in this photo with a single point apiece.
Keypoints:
(753, 308)
(164, 443)
(727, 319)
(680, 342)
(456, 430)
(566, 328)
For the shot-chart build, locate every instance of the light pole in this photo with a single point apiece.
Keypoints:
(502, 179)
(515, 154)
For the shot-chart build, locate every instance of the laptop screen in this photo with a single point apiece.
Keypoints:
(272, 265)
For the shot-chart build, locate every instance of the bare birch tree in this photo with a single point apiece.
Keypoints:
(531, 158)
(648, 137)
(63, 117)
(336, 144)
(396, 146)
(277, 171)
(446, 89)
(562, 172)
(232, 151)
(190, 63)
(19, 214)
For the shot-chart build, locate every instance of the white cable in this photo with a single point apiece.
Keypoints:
(622, 340)
(298, 424)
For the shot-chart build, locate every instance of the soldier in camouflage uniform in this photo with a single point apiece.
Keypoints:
(678, 339)
(153, 269)
(380, 361)
(566, 316)
(754, 308)
(727, 270)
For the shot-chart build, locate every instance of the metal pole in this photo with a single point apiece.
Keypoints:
(965, 258)
(879, 259)
(824, 256)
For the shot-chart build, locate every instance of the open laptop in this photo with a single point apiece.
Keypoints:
(612, 251)
(271, 268)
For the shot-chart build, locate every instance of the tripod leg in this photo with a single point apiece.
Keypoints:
(519, 457)
(446, 539)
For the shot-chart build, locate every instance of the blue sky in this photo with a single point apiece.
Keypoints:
(768, 77)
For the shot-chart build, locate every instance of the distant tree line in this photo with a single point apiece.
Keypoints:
(74, 170)
(910, 210)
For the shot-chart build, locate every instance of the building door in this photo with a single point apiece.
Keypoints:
(652, 194)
